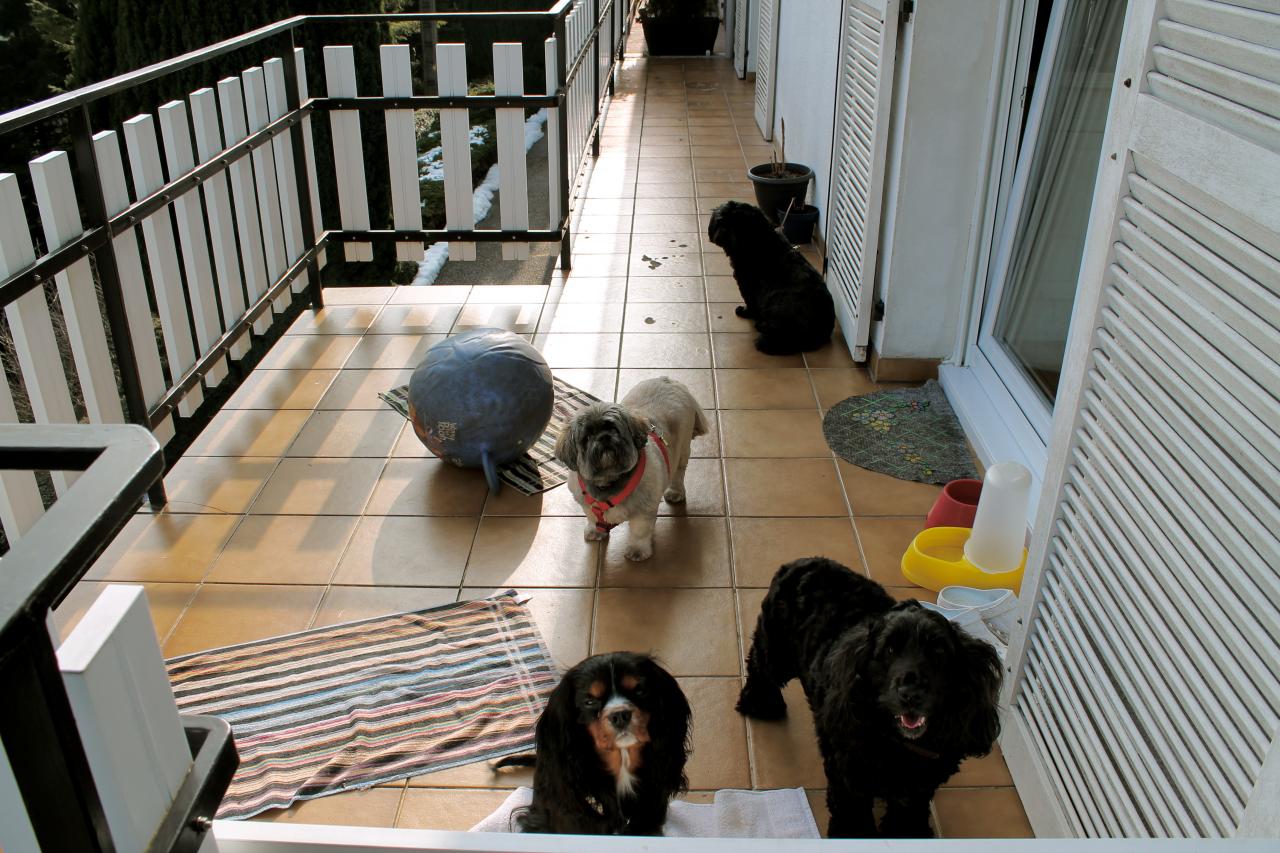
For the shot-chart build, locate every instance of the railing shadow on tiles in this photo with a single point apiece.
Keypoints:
(156, 249)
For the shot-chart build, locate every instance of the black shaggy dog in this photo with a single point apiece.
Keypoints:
(899, 695)
(783, 294)
(611, 749)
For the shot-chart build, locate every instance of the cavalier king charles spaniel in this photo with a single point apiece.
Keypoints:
(611, 749)
(899, 694)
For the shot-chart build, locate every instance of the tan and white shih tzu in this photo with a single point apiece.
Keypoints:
(628, 456)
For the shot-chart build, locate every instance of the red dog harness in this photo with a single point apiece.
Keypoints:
(599, 506)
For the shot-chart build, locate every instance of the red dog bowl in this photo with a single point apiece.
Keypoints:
(956, 506)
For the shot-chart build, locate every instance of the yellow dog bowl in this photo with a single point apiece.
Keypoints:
(936, 559)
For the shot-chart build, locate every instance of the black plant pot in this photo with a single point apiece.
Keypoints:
(774, 194)
(680, 36)
(797, 226)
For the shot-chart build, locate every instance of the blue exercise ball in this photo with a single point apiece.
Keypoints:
(481, 399)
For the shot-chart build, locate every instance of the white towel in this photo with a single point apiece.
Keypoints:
(783, 813)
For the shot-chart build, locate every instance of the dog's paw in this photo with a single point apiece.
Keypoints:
(673, 495)
(591, 534)
(742, 311)
(762, 704)
(638, 553)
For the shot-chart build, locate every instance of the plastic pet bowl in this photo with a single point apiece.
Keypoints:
(936, 559)
(956, 505)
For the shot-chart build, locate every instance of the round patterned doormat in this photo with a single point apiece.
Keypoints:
(908, 433)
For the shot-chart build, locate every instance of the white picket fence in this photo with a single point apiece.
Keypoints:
(203, 212)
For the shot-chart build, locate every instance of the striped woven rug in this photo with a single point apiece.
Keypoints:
(349, 706)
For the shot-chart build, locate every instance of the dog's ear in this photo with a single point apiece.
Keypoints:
(567, 444)
(669, 726)
(978, 673)
(639, 429)
(717, 230)
(564, 748)
(848, 671)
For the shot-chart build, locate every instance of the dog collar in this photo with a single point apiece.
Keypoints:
(599, 506)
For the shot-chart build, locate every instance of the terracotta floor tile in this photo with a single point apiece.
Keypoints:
(478, 774)
(599, 382)
(408, 445)
(372, 807)
(415, 319)
(598, 266)
(435, 295)
(507, 294)
(357, 295)
(906, 593)
(818, 805)
(563, 617)
(834, 384)
(716, 264)
(590, 289)
(216, 484)
(690, 630)
(652, 206)
(785, 752)
(447, 808)
(338, 320)
(532, 552)
(579, 350)
(283, 549)
(407, 551)
(359, 389)
(281, 389)
(665, 289)
(723, 319)
(349, 434)
(704, 488)
(687, 552)
(990, 771)
(226, 614)
(391, 351)
(605, 206)
(772, 434)
(697, 380)
(166, 547)
(553, 502)
(582, 318)
(723, 288)
(656, 317)
(353, 603)
(883, 542)
(249, 432)
(427, 487)
(518, 318)
(762, 545)
(604, 223)
(166, 601)
(981, 813)
(834, 354)
(653, 263)
(873, 493)
(603, 244)
(764, 388)
(301, 352)
(666, 350)
(666, 223)
(784, 487)
(719, 758)
(319, 487)
(739, 350)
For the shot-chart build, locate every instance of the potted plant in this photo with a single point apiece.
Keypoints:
(680, 27)
(779, 185)
(797, 223)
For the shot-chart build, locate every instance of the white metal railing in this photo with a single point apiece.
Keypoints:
(202, 218)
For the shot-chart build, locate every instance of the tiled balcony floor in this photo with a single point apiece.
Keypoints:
(308, 502)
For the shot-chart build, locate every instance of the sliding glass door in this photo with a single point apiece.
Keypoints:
(1028, 299)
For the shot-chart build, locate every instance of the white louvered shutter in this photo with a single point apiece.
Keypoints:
(741, 9)
(766, 63)
(1145, 698)
(868, 47)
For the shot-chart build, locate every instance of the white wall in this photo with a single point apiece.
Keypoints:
(808, 51)
(944, 83)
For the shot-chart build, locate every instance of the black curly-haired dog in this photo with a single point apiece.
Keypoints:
(899, 694)
(781, 292)
(611, 747)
